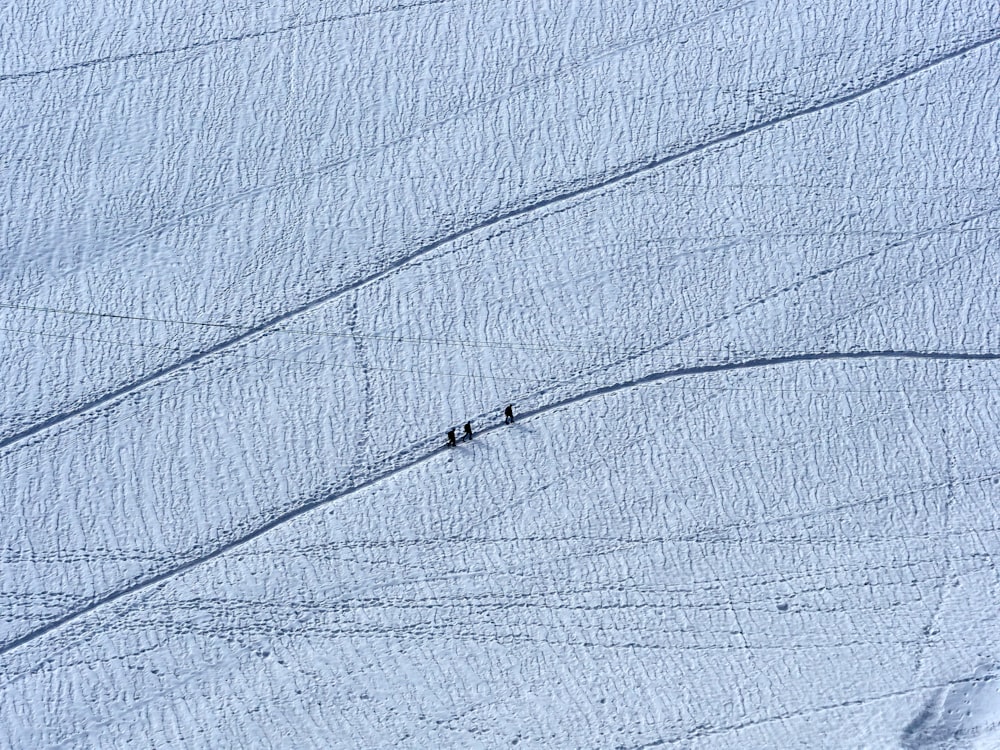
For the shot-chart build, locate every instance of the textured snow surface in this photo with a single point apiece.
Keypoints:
(734, 263)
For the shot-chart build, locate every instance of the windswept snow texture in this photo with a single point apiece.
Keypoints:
(734, 264)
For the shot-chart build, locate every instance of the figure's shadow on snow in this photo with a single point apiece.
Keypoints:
(474, 445)
(520, 427)
(962, 715)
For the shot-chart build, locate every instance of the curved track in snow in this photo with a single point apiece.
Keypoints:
(566, 195)
(250, 35)
(406, 461)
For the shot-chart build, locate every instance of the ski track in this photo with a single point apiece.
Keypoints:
(112, 59)
(419, 132)
(408, 463)
(776, 293)
(500, 218)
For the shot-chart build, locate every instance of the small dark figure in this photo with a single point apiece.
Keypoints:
(468, 431)
(508, 414)
(451, 438)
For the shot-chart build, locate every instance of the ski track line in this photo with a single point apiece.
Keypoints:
(592, 393)
(419, 132)
(111, 59)
(514, 213)
(775, 293)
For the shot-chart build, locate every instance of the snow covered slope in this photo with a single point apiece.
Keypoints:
(734, 264)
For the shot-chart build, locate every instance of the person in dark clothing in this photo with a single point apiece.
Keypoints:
(451, 438)
(468, 431)
(508, 414)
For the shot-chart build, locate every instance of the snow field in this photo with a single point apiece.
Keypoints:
(559, 208)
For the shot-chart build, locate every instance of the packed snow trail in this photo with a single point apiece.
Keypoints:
(443, 447)
(986, 38)
(112, 59)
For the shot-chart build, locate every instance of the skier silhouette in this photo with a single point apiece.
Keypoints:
(468, 431)
(508, 414)
(451, 438)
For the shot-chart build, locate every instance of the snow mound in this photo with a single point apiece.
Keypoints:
(964, 714)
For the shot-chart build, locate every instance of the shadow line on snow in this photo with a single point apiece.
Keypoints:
(538, 204)
(408, 463)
